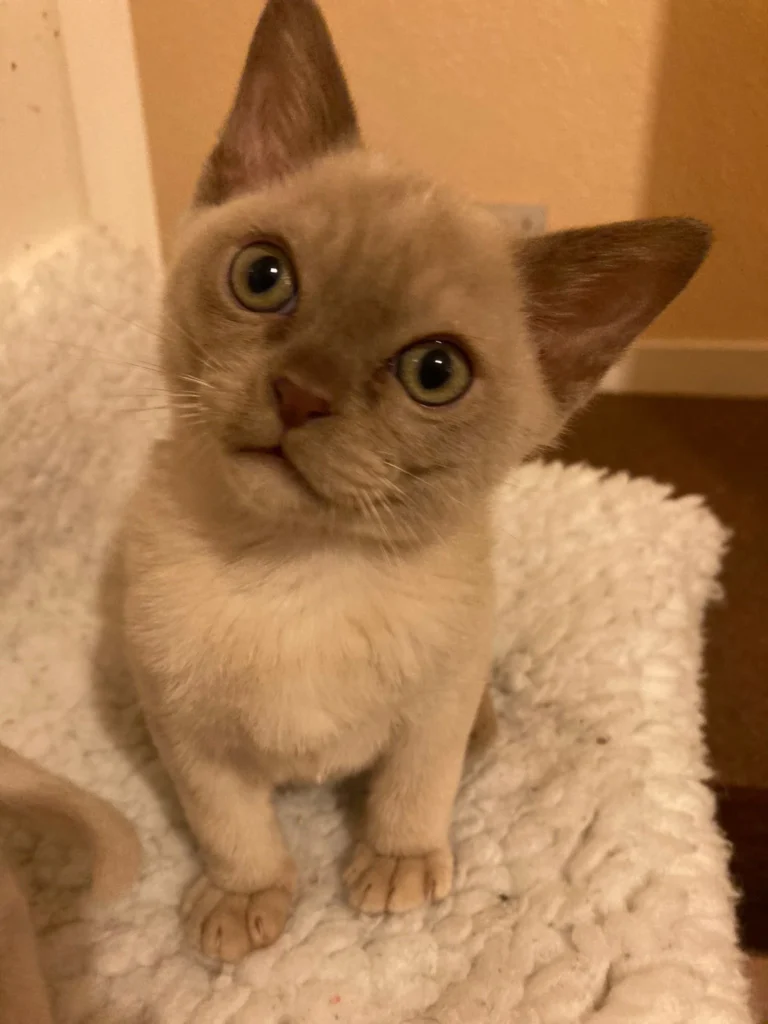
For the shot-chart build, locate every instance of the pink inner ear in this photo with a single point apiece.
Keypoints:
(292, 105)
(589, 293)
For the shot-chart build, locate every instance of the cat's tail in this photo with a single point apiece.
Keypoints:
(31, 791)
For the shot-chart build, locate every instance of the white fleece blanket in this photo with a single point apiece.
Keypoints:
(591, 882)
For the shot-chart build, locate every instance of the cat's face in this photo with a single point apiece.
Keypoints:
(393, 312)
(359, 350)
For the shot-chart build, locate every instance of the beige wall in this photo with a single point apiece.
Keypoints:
(708, 153)
(598, 109)
(41, 185)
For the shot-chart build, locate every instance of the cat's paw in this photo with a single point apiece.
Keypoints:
(229, 925)
(376, 883)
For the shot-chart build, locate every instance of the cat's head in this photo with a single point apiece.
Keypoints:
(356, 348)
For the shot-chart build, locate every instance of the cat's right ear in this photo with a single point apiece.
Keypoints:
(292, 105)
(589, 292)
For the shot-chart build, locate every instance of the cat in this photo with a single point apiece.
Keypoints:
(43, 799)
(355, 359)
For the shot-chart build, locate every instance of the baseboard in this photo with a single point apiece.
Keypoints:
(736, 369)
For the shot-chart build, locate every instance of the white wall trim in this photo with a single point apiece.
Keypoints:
(737, 369)
(101, 60)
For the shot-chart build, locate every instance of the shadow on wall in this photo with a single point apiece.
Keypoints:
(708, 156)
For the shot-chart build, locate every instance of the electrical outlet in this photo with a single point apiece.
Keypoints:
(526, 220)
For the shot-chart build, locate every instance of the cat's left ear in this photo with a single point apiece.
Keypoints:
(292, 105)
(589, 292)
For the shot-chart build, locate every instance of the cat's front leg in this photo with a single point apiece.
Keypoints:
(244, 896)
(405, 858)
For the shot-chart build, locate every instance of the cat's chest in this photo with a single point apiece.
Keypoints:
(316, 644)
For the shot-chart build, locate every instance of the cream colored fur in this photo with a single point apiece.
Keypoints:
(288, 665)
(328, 610)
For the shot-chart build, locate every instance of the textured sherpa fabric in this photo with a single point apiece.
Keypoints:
(591, 881)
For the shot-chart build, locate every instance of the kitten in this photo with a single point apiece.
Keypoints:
(356, 358)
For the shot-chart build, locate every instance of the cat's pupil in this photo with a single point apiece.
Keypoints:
(435, 369)
(263, 274)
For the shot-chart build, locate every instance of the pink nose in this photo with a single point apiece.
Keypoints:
(297, 405)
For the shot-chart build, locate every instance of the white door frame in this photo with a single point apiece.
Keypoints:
(97, 36)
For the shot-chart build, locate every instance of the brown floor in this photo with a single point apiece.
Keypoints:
(758, 976)
(714, 447)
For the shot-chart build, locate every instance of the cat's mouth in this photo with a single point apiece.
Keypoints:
(276, 458)
(276, 451)
(274, 455)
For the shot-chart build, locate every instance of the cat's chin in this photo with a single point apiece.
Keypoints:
(257, 467)
(268, 484)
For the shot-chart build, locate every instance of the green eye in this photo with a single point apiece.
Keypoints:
(261, 278)
(434, 372)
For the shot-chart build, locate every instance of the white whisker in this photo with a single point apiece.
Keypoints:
(196, 380)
